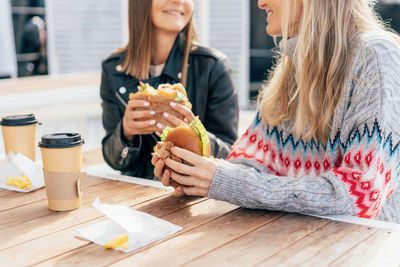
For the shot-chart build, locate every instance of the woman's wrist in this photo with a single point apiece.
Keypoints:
(126, 136)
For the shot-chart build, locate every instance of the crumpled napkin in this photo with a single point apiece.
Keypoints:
(140, 228)
(20, 165)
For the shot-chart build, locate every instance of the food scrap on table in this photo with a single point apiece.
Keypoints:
(118, 242)
(21, 182)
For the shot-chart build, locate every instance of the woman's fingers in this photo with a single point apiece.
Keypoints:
(138, 114)
(160, 126)
(130, 129)
(175, 122)
(178, 192)
(154, 159)
(140, 124)
(131, 123)
(188, 156)
(185, 111)
(166, 178)
(187, 180)
(135, 103)
(180, 167)
(159, 168)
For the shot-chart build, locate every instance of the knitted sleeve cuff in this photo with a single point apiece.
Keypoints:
(226, 184)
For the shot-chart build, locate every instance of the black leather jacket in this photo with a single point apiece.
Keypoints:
(209, 87)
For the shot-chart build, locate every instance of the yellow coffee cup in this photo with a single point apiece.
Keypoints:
(19, 134)
(62, 164)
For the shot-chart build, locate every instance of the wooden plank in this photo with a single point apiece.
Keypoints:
(262, 242)
(40, 208)
(60, 242)
(19, 199)
(379, 249)
(188, 218)
(48, 222)
(321, 246)
(189, 245)
(48, 82)
(4, 192)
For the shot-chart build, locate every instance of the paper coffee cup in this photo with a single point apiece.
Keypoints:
(19, 134)
(62, 164)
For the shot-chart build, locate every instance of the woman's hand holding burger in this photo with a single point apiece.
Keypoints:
(182, 159)
(167, 105)
(133, 123)
(195, 180)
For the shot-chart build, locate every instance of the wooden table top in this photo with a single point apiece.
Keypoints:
(47, 82)
(215, 233)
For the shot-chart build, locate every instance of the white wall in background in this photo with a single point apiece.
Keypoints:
(224, 25)
(8, 61)
(82, 33)
(202, 21)
(230, 33)
(125, 21)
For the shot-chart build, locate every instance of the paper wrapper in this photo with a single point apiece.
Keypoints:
(20, 165)
(141, 228)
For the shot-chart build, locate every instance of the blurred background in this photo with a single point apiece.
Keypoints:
(52, 50)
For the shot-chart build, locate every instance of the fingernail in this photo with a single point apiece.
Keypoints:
(146, 104)
(152, 122)
(165, 114)
(159, 125)
(172, 104)
(152, 112)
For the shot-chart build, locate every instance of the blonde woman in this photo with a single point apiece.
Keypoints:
(162, 49)
(326, 136)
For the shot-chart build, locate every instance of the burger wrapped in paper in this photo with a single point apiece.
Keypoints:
(160, 99)
(192, 137)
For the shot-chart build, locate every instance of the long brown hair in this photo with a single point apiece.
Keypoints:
(141, 36)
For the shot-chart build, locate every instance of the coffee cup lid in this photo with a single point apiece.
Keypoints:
(61, 140)
(19, 120)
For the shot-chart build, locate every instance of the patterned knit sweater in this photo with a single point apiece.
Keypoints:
(355, 173)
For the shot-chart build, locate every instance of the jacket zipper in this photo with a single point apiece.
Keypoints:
(124, 154)
(120, 99)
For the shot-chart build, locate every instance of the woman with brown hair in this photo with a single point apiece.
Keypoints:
(326, 137)
(162, 49)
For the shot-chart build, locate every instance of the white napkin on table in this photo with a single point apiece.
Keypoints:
(20, 165)
(141, 228)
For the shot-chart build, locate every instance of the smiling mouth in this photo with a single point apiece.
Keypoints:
(269, 12)
(174, 12)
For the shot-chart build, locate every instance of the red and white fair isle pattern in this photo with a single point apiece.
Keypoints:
(366, 166)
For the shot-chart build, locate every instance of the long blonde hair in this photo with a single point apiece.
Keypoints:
(138, 50)
(308, 88)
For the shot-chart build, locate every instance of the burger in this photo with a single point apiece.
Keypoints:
(160, 99)
(192, 137)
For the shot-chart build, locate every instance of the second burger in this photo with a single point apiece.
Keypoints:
(192, 137)
(160, 100)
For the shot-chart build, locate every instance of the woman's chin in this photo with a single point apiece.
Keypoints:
(273, 31)
(173, 27)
